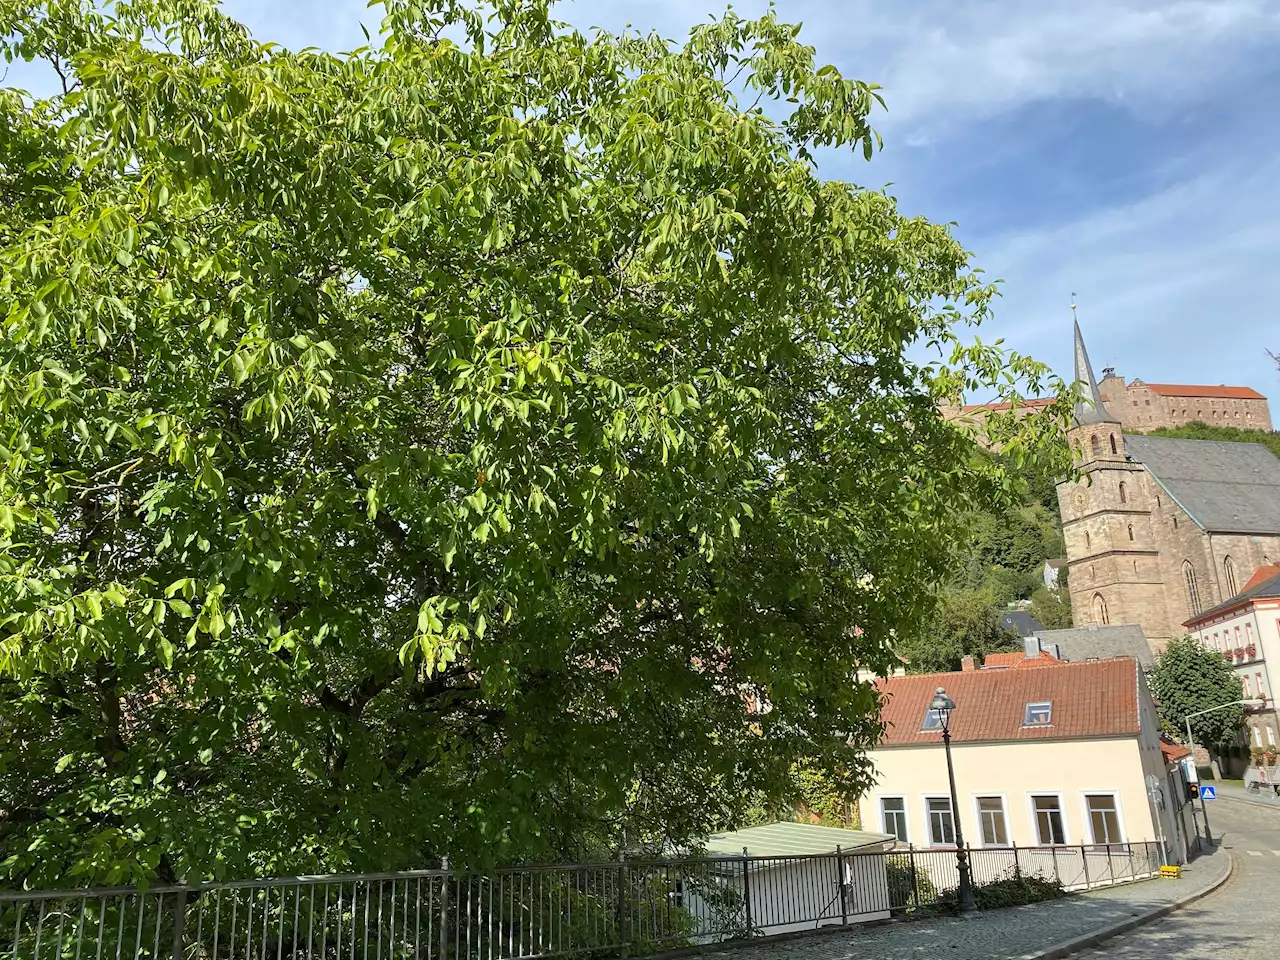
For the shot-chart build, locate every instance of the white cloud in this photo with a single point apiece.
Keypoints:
(1177, 286)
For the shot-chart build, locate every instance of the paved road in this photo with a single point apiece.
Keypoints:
(1240, 921)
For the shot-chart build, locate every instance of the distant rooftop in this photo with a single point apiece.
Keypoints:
(1194, 390)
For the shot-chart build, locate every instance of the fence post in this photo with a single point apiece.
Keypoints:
(915, 886)
(444, 908)
(1133, 874)
(1111, 869)
(179, 922)
(623, 888)
(1084, 865)
(746, 887)
(844, 888)
(1053, 851)
(1017, 867)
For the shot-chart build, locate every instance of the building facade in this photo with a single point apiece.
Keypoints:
(1143, 406)
(1245, 630)
(1158, 530)
(1064, 754)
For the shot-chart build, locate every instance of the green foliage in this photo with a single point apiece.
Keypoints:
(963, 622)
(1014, 890)
(1199, 430)
(901, 875)
(424, 450)
(1187, 678)
(1051, 606)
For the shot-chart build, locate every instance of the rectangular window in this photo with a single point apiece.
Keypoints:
(1262, 694)
(1271, 735)
(1244, 685)
(1049, 828)
(1038, 714)
(893, 816)
(991, 812)
(1104, 819)
(942, 826)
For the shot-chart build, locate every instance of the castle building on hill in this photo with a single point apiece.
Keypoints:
(1158, 530)
(1148, 406)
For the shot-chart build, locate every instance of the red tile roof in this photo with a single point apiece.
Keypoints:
(1173, 752)
(1095, 698)
(1262, 573)
(1038, 402)
(1019, 661)
(1191, 390)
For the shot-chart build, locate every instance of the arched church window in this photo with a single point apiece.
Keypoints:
(1087, 539)
(1193, 587)
(1175, 522)
(1095, 447)
(1229, 574)
(1113, 444)
(1124, 493)
(1135, 566)
(1131, 531)
(1100, 615)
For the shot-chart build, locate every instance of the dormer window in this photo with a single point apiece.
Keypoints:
(932, 720)
(1038, 714)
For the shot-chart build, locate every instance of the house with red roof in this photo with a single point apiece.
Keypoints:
(1047, 754)
(1245, 630)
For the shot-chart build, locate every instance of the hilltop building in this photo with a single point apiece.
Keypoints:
(1159, 530)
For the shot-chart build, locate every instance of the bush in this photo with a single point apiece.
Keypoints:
(1014, 890)
(901, 897)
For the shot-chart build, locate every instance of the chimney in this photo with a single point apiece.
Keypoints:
(1055, 651)
(967, 665)
(1031, 646)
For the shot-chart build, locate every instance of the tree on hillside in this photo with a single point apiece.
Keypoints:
(427, 450)
(1199, 430)
(964, 622)
(1187, 678)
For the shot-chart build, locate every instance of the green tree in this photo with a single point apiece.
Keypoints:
(1188, 678)
(1199, 430)
(964, 622)
(1051, 607)
(426, 450)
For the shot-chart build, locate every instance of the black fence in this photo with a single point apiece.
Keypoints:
(628, 906)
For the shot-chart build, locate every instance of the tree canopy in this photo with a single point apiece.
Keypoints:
(428, 449)
(1199, 430)
(1187, 678)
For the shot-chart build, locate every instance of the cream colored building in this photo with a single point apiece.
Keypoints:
(1047, 754)
(1245, 630)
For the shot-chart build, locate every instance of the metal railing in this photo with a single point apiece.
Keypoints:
(628, 906)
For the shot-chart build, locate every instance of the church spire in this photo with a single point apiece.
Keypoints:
(1091, 409)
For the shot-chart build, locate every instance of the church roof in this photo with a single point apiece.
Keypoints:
(1192, 390)
(1226, 487)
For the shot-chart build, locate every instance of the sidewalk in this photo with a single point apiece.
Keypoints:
(1019, 932)
(1229, 791)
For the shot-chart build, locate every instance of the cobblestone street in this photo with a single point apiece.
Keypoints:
(1237, 922)
(1019, 931)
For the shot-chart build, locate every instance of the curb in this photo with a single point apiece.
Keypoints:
(1067, 947)
(1270, 804)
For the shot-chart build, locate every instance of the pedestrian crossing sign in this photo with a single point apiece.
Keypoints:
(1208, 793)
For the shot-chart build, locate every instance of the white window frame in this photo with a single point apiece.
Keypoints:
(906, 815)
(1004, 810)
(928, 820)
(1062, 810)
(1084, 806)
(1026, 709)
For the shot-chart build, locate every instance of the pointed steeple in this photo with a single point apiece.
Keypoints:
(1092, 409)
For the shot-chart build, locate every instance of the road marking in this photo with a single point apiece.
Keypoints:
(1255, 853)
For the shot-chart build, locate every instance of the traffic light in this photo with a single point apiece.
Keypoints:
(1193, 791)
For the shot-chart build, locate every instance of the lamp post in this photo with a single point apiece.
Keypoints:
(942, 705)
(1204, 813)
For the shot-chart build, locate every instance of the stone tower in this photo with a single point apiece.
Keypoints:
(1113, 560)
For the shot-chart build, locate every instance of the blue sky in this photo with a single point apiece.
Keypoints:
(1126, 150)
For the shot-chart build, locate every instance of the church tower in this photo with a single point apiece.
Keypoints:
(1113, 568)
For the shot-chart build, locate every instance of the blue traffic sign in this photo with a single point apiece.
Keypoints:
(1208, 793)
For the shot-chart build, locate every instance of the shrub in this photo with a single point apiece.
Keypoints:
(1014, 890)
(901, 897)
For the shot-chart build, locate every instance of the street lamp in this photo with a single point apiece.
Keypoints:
(942, 705)
(1204, 813)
